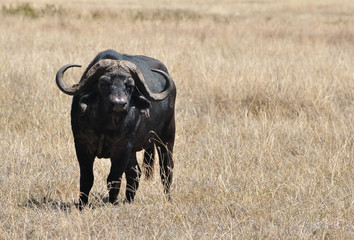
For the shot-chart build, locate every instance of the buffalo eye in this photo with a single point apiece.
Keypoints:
(129, 82)
(104, 82)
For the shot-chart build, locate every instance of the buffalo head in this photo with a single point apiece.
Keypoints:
(117, 82)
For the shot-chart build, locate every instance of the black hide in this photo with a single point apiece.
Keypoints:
(119, 132)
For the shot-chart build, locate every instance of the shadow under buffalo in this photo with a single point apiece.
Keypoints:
(97, 200)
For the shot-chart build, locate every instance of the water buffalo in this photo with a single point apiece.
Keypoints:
(122, 104)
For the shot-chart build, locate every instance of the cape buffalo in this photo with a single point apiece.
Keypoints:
(122, 104)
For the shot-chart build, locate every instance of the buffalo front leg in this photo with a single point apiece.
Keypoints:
(132, 174)
(114, 180)
(121, 159)
(86, 175)
(118, 166)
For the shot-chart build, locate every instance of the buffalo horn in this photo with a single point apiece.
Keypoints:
(142, 85)
(105, 65)
(70, 90)
(91, 76)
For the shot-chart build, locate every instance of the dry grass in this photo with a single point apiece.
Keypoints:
(265, 119)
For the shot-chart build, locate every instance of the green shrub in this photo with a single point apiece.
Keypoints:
(27, 10)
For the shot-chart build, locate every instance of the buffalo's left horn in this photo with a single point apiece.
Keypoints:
(142, 85)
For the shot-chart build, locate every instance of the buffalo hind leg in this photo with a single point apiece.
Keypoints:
(166, 167)
(148, 162)
(132, 174)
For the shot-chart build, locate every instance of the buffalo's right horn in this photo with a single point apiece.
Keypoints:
(91, 75)
(70, 90)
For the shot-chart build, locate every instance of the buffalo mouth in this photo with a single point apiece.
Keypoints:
(116, 109)
(119, 109)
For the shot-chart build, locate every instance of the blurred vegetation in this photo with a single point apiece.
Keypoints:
(27, 10)
(141, 15)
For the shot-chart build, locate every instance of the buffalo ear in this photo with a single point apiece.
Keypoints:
(140, 101)
(143, 105)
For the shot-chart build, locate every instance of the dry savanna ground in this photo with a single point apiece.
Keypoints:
(265, 119)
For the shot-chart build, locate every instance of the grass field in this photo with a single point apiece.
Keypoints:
(265, 119)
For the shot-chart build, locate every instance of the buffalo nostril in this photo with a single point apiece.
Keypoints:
(118, 102)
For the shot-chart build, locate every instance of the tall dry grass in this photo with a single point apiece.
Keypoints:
(264, 145)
